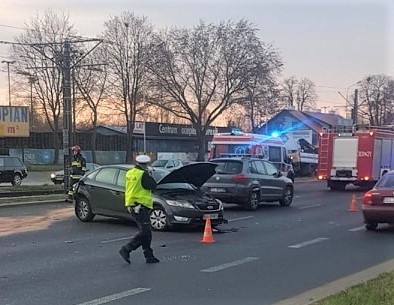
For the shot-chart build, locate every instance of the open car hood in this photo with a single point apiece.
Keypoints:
(195, 173)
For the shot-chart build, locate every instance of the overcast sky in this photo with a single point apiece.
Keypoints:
(333, 43)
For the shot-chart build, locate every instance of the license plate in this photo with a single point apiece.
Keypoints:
(211, 216)
(388, 200)
(218, 190)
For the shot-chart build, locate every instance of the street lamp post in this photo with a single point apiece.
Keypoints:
(348, 103)
(8, 62)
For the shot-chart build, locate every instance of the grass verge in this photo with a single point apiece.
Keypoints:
(378, 291)
(44, 168)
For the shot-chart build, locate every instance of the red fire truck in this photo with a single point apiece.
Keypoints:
(359, 155)
(261, 146)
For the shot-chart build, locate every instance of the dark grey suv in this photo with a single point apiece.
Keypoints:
(12, 170)
(249, 181)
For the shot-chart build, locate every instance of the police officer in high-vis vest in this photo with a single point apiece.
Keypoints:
(78, 167)
(139, 203)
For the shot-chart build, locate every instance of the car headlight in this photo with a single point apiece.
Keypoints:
(180, 203)
(53, 175)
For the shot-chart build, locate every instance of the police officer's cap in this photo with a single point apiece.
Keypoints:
(142, 159)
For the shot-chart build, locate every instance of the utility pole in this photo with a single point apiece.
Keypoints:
(67, 118)
(355, 107)
(8, 62)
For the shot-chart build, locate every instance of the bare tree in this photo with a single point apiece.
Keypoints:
(289, 91)
(376, 99)
(90, 78)
(127, 41)
(203, 71)
(306, 95)
(264, 101)
(39, 53)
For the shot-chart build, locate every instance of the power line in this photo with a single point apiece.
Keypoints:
(14, 27)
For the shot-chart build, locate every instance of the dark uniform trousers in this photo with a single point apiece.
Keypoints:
(144, 236)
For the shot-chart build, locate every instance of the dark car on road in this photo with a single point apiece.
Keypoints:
(167, 164)
(177, 200)
(247, 181)
(58, 176)
(12, 170)
(378, 203)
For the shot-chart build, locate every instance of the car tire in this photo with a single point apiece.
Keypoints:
(17, 180)
(287, 198)
(371, 226)
(253, 201)
(83, 210)
(158, 219)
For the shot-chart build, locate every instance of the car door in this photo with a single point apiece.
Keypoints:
(275, 182)
(103, 189)
(8, 169)
(266, 187)
(3, 170)
(118, 201)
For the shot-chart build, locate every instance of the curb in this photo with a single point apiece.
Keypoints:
(10, 204)
(316, 294)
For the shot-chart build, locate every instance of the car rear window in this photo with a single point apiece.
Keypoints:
(387, 181)
(228, 167)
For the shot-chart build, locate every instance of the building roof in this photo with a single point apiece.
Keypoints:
(315, 120)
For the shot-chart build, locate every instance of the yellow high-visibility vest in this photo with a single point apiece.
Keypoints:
(134, 192)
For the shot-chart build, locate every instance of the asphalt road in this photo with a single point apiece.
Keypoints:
(260, 258)
(37, 178)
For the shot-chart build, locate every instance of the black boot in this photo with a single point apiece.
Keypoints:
(152, 260)
(125, 254)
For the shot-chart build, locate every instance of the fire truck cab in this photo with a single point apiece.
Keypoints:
(261, 146)
(359, 155)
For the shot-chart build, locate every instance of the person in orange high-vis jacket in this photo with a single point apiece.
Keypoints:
(139, 203)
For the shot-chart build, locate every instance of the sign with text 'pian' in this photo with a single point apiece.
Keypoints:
(14, 121)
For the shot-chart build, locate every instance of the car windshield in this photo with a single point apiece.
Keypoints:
(386, 181)
(228, 167)
(159, 163)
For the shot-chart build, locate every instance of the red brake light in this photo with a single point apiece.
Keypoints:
(239, 179)
(367, 198)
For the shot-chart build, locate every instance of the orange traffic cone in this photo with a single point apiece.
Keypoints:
(353, 205)
(208, 237)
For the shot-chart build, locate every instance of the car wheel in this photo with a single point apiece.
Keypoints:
(253, 202)
(83, 209)
(158, 219)
(17, 180)
(287, 198)
(371, 226)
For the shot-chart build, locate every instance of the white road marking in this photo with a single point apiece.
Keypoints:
(229, 265)
(240, 218)
(309, 206)
(308, 243)
(114, 240)
(116, 296)
(357, 229)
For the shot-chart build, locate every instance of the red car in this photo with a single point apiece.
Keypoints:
(378, 203)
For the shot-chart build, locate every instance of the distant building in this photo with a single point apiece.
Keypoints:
(307, 122)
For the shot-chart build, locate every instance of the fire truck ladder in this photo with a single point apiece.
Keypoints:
(323, 152)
